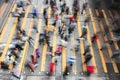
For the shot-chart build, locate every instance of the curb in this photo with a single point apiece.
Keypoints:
(6, 14)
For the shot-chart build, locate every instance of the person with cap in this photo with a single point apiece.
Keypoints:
(34, 12)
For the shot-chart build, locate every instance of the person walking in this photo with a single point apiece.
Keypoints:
(51, 68)
(116, 54)
(87, 49)
(33, 59)
(86, 20)
(66, 72)
(90, 69)
(94, 38)
(34, 12)
(84, 7)
(87, 58)
(84, 32)
(37, 53)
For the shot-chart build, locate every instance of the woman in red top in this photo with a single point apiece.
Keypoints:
(33, 58)
(71, 19)
(51, 68)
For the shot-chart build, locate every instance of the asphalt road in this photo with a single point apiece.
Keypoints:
(44, 60)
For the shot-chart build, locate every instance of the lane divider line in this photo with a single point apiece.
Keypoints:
(63, 53)
(74, 66)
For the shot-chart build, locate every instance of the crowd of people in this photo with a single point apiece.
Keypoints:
(65, 26)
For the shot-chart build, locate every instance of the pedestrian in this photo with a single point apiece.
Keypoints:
(54, 23)
(84, 33)
(44, 12)
(29, 39)
(71, 60)
(70, 30)
(35, 27)
(90, 69)
(46, 20)
(4, 66)
(33, 59)
(67, 10)
(34, 12)
(63, 43)
(46, 2)
(18, 46)
(105, 46)
(59, 29)
(66, 71)
(31, 66)
(87, 58)
(87, 49)
(71, 19)
(116, 54)
(86, 20)
(51, 68)
(94, 38)
(16, 73)
(58, 50)
(84, 7)
(37, 53)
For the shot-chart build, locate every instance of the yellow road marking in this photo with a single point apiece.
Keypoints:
(98, 42)
(107, 22)
(45, 48)
(25, 48)
(43, 58)
(74, 66)
(63, 58)
(54, 43)
(81, 43)
(63, 53)
(91, 49)
(109, 48)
